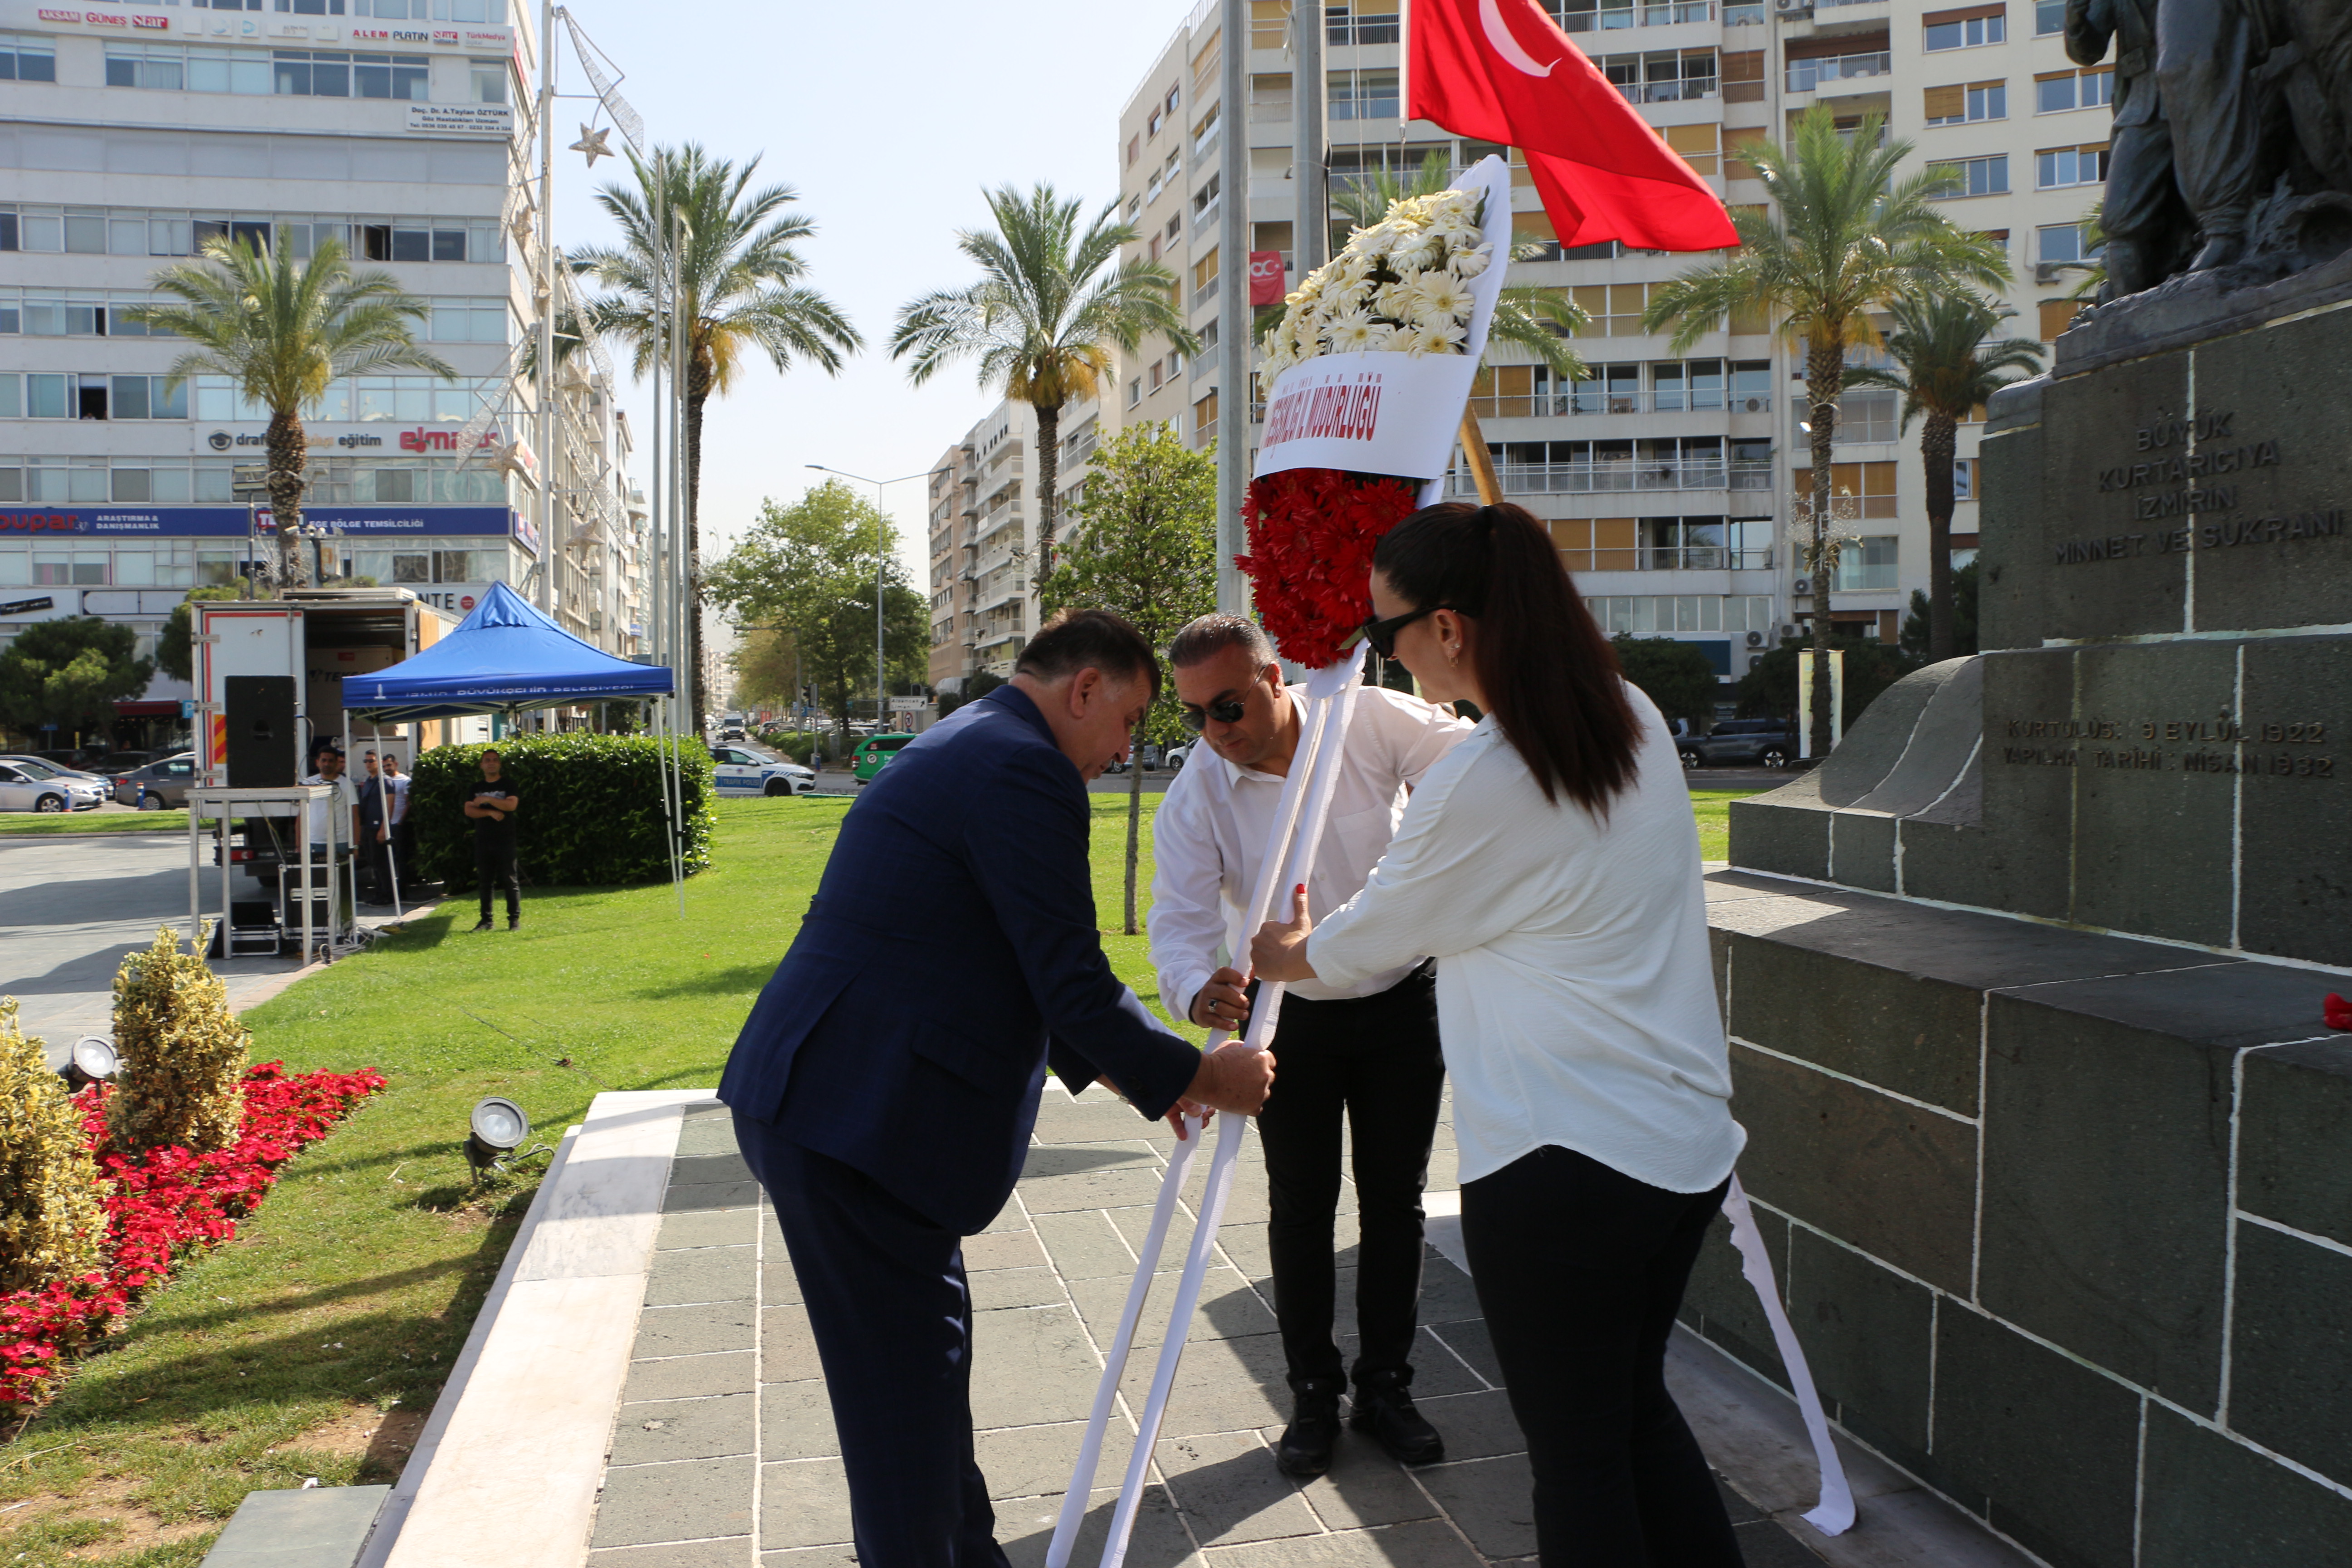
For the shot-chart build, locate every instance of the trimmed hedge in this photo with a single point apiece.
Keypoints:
(590, 814)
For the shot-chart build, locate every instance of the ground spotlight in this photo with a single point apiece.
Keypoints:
(500, 1128)
(93, 1061)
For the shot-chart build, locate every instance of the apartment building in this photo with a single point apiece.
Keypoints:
(1668, 477)
(134, 131)
(982, 520)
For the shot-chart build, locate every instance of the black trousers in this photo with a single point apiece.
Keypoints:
(1579, 1270)
(891, 1315)
(1373, 1060)
(377, 881)
(494, 862)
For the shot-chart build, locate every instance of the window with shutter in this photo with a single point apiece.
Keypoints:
(1946, 103)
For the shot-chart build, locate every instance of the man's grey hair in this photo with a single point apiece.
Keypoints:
(1213, 635)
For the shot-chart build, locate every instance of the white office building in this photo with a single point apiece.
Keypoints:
(131, 132)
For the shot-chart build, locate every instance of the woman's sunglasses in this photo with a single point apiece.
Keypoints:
(1382, 635)
(1224, 710)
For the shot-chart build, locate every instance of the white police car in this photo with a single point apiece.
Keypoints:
(745, 772)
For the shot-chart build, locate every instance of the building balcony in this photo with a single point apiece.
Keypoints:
(1830, 73)
(1604, 477)
(1591, 399)
(1611, 18)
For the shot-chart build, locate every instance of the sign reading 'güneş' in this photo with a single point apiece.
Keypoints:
(236, 521)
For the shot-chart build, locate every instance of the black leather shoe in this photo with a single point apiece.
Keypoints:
(514, 922)
(1305, 1447)
(1385, 1410)
(483, 924)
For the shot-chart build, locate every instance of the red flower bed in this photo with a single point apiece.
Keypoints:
(1311, 533)
(163, 1206)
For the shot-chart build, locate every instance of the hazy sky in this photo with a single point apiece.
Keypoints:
(888, 119)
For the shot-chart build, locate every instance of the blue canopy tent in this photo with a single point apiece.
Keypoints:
(505, 657)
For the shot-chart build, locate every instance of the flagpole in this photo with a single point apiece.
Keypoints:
(1234, 333)
(1310, 236)
(545, 278)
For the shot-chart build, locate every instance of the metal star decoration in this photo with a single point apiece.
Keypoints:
(591, 143)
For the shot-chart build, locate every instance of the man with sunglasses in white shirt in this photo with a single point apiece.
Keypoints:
(1367, 1054)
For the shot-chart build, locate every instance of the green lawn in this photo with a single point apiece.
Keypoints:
(348, 1294)
(1713, 809)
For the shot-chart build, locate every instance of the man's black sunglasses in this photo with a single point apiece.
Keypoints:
(1382, 635)
(1224, 710)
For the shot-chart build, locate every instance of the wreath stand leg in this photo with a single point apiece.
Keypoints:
(1289, 860)
(1482, 461)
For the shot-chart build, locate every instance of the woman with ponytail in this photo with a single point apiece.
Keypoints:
(1550, 863)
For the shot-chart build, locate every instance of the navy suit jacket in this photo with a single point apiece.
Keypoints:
(950, 954)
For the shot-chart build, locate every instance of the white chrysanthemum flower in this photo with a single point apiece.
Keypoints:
(1351, 335)
(1418, 253)
(1457, 228)
(1468, 264)
(1454, 330)
(1419, 341)
(1384, 338)
(1395, 300)
(1441, 293)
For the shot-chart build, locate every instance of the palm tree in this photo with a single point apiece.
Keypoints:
(1044, 317)
(1849, 238)
(1536, 317)
(285, 332)
(1946, 365)
(739, 279)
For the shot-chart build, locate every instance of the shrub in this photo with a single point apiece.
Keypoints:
(591, 813)
(52, 1218)
(797, 745)
(1675, 676)
(182, 1051)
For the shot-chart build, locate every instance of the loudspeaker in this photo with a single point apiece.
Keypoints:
(263, 749)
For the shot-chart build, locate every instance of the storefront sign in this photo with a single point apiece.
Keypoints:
(314, 438)
(458, 598)
(27, 606)
(462, 119)
(236, 521)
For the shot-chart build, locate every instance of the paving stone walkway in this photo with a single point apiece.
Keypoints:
(723, 1453)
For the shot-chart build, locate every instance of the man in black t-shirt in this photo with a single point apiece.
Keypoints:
(492, 804)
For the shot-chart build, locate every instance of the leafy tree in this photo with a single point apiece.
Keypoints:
(285, 332)
(1536, 317)
(741, 277)
(69, 674)
(1146, 546)
(174, 652)
(1848, 238)
(1964, 618)
(765, 665)
(1676, 676)
(1871, 667)
(976, 686)
(1052, 302)
(1947, 364)
(808, 568)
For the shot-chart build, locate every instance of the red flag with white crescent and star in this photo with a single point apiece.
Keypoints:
(1500, 70)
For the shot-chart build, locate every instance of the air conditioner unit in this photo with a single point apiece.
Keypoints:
(1754, 639)
(1755, 660)
(1787, 631)
(1754, 406)
(2047, 272)
(1803, 587)
(1792, 10)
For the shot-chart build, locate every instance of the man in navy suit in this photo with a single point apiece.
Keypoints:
(886, 1084)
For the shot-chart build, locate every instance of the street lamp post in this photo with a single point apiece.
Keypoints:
(881, 562)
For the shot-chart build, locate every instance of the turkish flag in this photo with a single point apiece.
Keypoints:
(1500, 70)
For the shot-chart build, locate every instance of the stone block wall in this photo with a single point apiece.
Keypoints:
(2063, 1220)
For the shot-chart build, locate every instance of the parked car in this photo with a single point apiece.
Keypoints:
(873, 754)
(22, 790)
(115, 764)
(1178, 755)
(159, 783)
(1742, 744)
(88, 789)
(743, 771)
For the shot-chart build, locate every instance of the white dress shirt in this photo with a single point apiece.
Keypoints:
(330, 818)
(1575, 996)
(1209, 839)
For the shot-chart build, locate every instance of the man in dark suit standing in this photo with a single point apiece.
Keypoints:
(885, 1085)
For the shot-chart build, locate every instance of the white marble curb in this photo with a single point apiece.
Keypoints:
(506, 1471)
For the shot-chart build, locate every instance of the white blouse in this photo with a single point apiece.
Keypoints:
(1575, 998)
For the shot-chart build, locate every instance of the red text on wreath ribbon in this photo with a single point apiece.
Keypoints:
(1348, 412)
